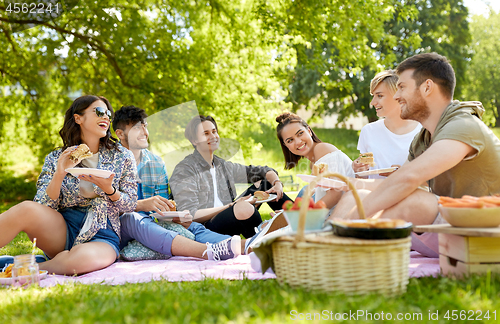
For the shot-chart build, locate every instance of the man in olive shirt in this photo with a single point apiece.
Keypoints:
(455, 153)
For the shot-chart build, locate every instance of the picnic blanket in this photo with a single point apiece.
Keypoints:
(193, 269)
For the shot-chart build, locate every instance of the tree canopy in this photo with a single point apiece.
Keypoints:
(411, 27)
(229, 57)
(241, 61)
(484, 70)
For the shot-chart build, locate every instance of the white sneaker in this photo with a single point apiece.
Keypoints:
(223, 250)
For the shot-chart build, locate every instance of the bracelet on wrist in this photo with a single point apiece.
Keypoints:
(111, 194)
(277, 180)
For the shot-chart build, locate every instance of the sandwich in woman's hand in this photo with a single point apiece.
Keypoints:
(367, 158)
(261, 195)
(82, 152)
(319, 168)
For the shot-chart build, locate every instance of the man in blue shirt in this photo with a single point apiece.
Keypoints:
(130, 127)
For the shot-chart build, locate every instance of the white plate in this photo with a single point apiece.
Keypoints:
(168, 216)
(8, 281)
(377, 171)
(88, 171)
(325, 182)
(271, 197)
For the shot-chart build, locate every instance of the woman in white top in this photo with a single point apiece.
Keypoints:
(298, 140)
(390, 137)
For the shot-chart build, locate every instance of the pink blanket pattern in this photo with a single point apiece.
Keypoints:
(193, 269)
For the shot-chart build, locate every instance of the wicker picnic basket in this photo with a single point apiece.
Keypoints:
(331, 263)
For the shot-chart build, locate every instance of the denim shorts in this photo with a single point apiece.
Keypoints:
(75, 218)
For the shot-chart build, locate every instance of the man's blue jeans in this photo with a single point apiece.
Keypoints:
(135, 226)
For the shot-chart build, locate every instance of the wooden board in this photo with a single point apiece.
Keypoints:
(451, 267)
(465, 231)
(470, 249)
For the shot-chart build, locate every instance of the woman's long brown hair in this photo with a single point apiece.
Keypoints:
(71, 132)
(284, 119)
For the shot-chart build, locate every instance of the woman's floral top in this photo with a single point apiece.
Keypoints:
(120, 161)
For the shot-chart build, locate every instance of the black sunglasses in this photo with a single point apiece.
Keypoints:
(100, 112)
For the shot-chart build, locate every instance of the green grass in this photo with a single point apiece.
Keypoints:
(19, 245)
(214, 301)
(16, 188)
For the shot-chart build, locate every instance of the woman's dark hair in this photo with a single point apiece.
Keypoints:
(284, 119)
(71, 133)
(192, 126)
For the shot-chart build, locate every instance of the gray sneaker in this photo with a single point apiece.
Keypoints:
(227, 249)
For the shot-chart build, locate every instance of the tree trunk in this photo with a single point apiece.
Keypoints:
(497, 118)
(496, 102)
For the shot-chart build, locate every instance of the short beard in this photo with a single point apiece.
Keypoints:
(137, 147)
(417, 109)
(131, 145)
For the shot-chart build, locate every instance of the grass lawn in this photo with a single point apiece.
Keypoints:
(428, 300)
(214, 301)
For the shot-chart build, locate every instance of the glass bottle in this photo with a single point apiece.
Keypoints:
(25, 271)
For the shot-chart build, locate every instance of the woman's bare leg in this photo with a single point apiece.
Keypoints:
(36, 220)
(83, 258)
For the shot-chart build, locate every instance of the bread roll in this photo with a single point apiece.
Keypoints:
(261, 195)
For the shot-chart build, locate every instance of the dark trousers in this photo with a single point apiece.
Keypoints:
(226, 222)
(264, 186)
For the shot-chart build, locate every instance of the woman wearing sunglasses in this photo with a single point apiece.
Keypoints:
(75, 219)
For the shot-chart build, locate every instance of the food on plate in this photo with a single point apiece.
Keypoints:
(8, 272)
(470, 202)
(175, 206)
(371, 223)
(261, 195)
(366, 158)
(82, 152)
(319, 168)
(289, 205)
